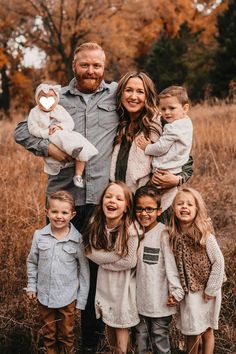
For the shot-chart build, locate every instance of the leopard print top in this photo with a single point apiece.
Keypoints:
(192, 262)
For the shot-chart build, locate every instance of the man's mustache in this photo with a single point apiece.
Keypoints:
(89, 77)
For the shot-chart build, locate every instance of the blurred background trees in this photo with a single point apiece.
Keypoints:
(224, 57)
(186, 42)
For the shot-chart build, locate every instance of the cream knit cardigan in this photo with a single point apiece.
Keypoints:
(139, 165)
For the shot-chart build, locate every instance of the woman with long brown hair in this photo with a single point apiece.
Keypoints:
(139, 115)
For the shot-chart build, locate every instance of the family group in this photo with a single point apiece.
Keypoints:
(125, 243)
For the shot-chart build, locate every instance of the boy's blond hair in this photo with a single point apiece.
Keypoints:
(63, 196)
(179, 92)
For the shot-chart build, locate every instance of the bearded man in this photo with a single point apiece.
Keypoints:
(91, 103)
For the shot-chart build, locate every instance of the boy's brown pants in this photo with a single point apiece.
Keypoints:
(58, 328)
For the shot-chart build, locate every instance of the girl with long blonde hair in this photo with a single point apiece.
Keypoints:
(201, 269)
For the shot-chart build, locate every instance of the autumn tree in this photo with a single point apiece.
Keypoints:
(4, 82)
(57, 27)
(125, 28)
(14, 78)
(6, 28)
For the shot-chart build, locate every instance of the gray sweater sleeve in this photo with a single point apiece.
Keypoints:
(37, 146)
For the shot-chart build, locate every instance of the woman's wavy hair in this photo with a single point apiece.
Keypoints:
(201, 226)
(95, 234)
(144, 123)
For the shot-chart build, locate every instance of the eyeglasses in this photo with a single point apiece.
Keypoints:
(147, 210)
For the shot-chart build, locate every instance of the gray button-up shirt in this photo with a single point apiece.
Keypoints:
(97, 121)
(58, 270)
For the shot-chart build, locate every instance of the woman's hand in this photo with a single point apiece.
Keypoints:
(142, 142)
(57, 154)
(164, 179)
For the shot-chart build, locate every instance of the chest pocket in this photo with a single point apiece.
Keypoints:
(69, 253)
(78, 115)
(44, 249)
(151, 255)
(107, 116)
(71, 109)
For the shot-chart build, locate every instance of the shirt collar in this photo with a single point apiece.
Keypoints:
(71, 88)
(72, 235)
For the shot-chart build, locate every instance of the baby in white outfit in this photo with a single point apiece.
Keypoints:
(49, 120)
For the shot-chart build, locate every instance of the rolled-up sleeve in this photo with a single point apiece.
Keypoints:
(37, 146)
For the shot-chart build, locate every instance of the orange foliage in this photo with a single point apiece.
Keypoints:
(125, 28)
(22, 88)
(3, 59)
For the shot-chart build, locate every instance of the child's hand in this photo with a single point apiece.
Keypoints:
(142, 142)
(31, 295)
(171, 301)
(53, 128)
(206, 297)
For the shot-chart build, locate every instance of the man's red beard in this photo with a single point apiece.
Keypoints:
(88, 84)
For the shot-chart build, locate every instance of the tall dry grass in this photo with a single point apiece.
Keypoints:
(22, 186)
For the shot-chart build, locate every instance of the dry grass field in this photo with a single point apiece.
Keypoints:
(22, 185)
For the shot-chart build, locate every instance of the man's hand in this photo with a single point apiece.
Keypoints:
(164, 179)
(206, 297)
(53, 128)
(142, 142)
(57, 154)
(31, 295)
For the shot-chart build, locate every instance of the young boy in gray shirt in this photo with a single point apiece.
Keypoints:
(58, 273)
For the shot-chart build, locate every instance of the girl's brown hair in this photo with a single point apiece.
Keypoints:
(95, 234)
(146, 122)
(201, 226)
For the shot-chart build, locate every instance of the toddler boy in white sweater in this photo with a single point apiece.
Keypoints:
(172, 149)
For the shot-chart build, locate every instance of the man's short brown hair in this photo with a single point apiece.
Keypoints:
(88, 46)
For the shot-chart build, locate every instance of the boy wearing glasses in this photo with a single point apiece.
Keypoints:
(158, 285)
